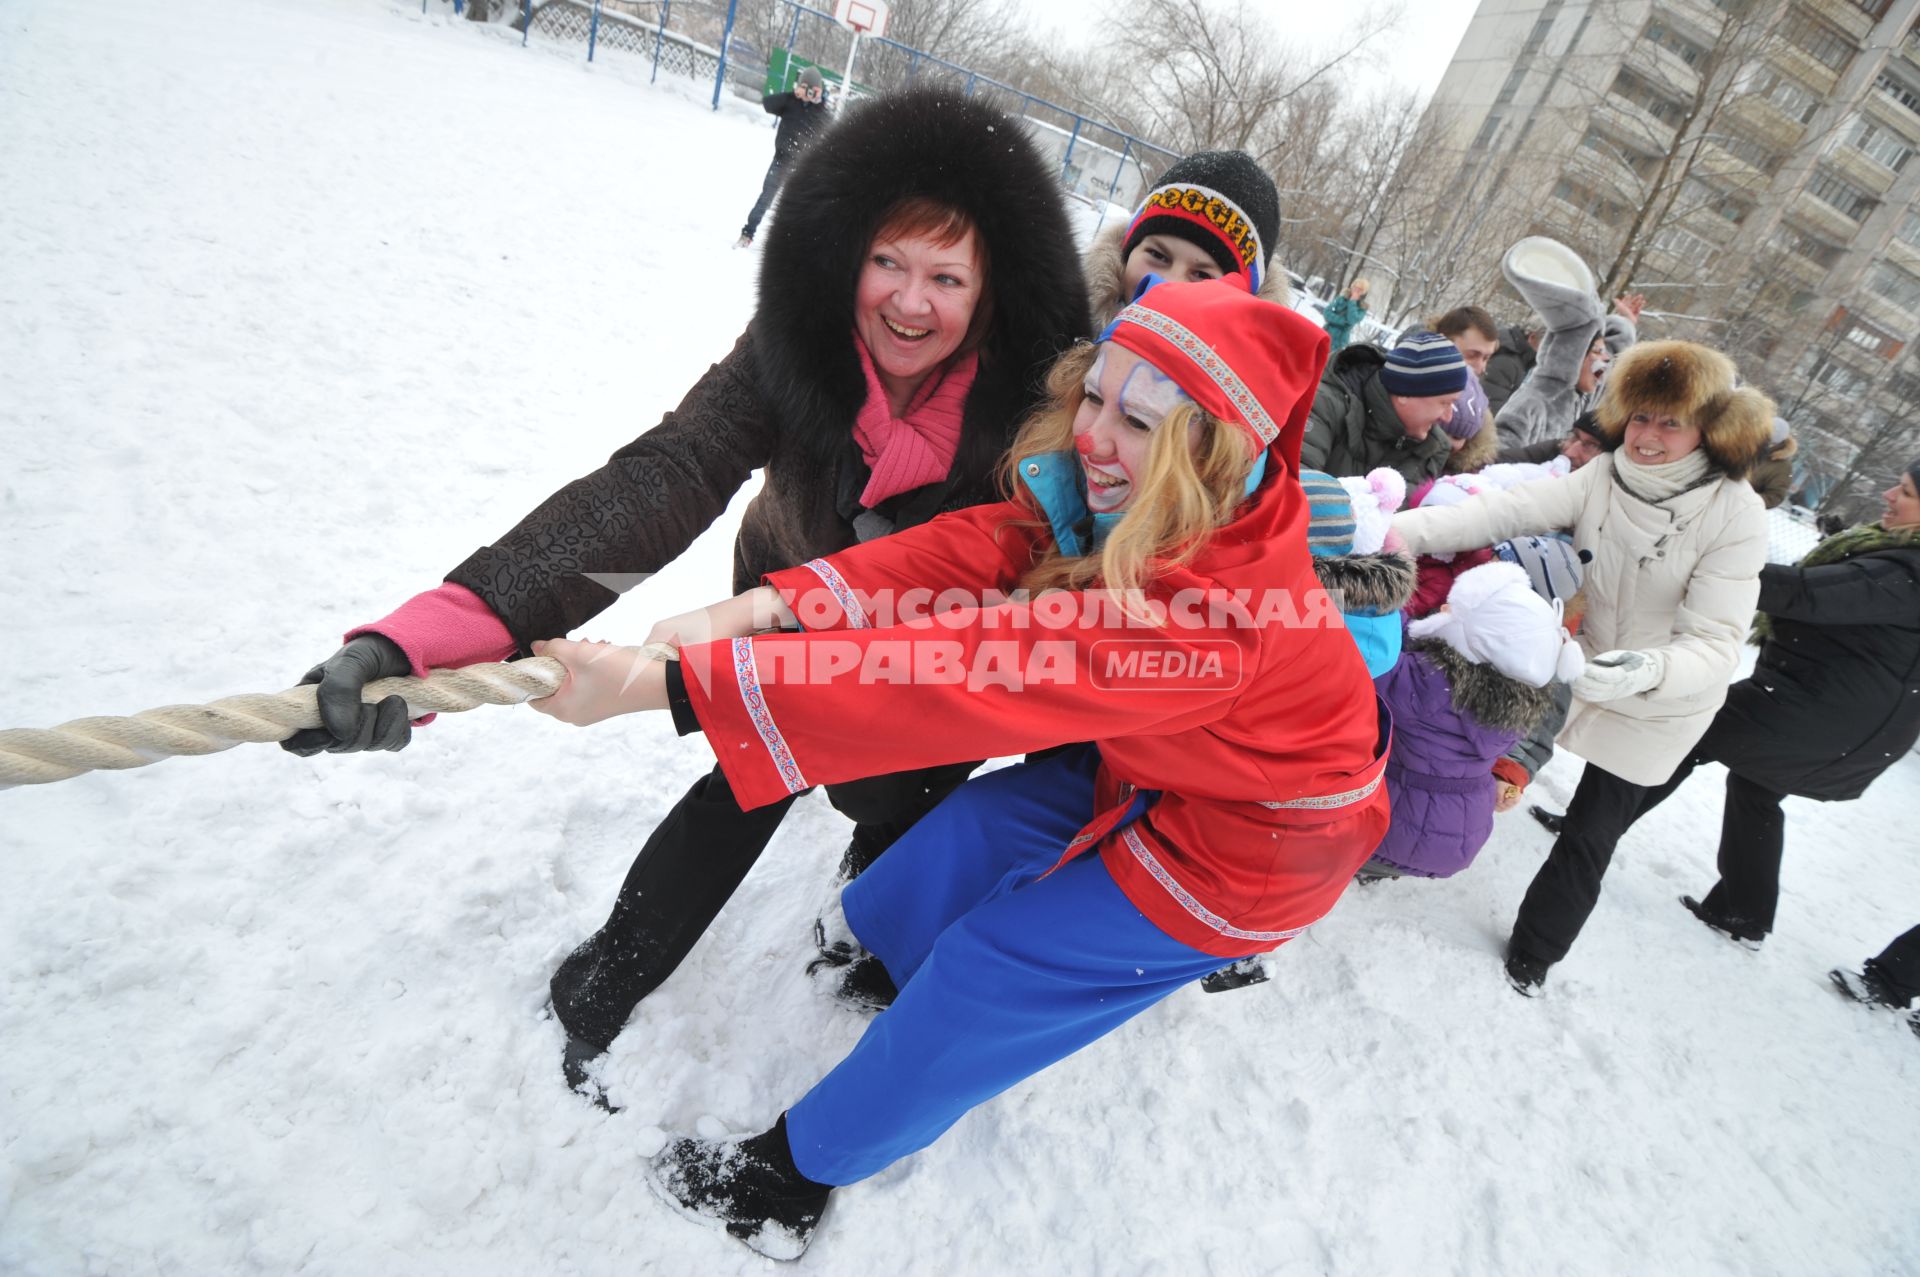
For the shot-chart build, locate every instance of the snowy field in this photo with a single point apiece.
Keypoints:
(301, 301)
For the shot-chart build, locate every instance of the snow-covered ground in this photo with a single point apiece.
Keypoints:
(301, 301)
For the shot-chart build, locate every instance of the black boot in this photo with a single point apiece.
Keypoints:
(1526, 973)
(1739, 930)
(750, 1186)
(864, 985)
(1238, 975)
(1551, 821)
(1867, 987)
(573, 1065)
(863, 849)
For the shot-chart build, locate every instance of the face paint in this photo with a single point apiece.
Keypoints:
(1125, 399)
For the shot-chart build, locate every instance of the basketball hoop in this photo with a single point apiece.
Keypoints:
(862, 17)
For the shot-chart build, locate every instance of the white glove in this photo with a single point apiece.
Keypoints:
(1612, 675)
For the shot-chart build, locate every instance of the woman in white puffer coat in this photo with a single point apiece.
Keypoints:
(1677, 539)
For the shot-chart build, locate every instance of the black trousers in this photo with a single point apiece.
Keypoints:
(776, 174)
(1604, 807)
(691, 864)
(1753, 835)
(1899, 965)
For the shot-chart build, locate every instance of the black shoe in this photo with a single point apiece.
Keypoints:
(1247, 971)
(1866, 987)
(1526, 973)
(749, 1186)
(865, 985)
(863, 849)
(1551, 821)
(1739, 930)
(573, 1065)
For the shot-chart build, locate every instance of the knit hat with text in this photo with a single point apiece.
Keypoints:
(1219, 200)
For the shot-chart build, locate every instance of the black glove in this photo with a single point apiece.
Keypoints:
(352, 726)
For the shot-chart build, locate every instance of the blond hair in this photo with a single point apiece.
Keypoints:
(1185, 494)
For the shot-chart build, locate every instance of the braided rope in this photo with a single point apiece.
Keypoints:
(36, 756)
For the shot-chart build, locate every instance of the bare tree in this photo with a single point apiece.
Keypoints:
(1213, 75)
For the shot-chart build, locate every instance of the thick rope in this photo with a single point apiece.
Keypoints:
(34, 756)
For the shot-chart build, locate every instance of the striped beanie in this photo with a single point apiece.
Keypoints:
(1424, 365)
(1330, 524)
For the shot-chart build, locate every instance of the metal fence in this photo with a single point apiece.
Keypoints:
(1097, 160)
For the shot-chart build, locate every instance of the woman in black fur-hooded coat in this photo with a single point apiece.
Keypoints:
(786, 398)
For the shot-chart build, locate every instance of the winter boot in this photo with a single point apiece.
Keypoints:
(574, 1064)
(749, 1186)
(863, 849)
(1526, 973)
(745, 241)
(1867, 987)
(1551, 821)
(864, 984)
(1739, 930)
(1238, 975)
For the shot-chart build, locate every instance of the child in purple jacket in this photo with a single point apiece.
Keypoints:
(1472, 679)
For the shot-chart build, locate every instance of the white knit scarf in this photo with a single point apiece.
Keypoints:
(1657, 483)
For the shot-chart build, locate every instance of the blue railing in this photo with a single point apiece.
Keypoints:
(1099, 160)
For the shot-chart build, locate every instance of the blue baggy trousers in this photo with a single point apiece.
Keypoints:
(1001, 971)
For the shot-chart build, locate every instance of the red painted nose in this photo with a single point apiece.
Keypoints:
(1083, 444)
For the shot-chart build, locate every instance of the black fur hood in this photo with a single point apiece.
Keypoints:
(1490, 697)
(937, 144)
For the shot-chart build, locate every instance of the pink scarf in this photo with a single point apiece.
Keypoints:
(917, 447)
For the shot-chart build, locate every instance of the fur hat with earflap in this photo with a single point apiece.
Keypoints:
(1696, 385)
(1493, 617)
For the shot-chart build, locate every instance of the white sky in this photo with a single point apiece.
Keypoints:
(1417, 54)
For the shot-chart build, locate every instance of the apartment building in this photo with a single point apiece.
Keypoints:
(1750, 165)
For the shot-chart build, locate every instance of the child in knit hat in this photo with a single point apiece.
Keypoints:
(1348, 536)
(1474, 676)
(1212, 213)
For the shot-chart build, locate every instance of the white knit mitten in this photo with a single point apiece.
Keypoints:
(1611, 675)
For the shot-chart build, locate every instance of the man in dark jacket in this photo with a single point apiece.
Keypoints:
(1509, 365)
(1381, 410)
(802, 114)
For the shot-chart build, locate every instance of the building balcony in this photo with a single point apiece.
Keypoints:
(1901, 253)
(1842, 15)
(1881, 108)
(1817, 76)
(1766, 121)
(1824, 218)
(1664, 67)
(1728, 169)
(1630, 121)
(1860, 168)
(1802, 272)
(1578, 229)
(1699, 15)
(1607, 173)
(1892, 317)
